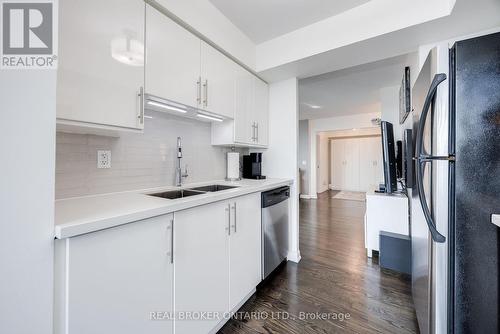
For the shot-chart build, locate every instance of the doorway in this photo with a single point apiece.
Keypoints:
(355, 163)
(349, 160)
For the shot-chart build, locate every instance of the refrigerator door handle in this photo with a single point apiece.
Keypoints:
(422, 158)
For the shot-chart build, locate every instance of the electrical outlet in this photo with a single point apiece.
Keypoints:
(103, 159)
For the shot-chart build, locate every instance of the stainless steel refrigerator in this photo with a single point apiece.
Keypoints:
(455, 245)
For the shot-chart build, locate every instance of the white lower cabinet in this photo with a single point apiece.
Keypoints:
(245, 248)
(110, 281)
(197, 265)
(201, 257)
(217, 257)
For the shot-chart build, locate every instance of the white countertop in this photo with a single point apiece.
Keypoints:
(79, 215)
(395, 195)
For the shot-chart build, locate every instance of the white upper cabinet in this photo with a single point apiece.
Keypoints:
(244, 132)
(173, 60)
(101, 63)
(261, 111)
(251, 112)
(218, 75)
(114, 54)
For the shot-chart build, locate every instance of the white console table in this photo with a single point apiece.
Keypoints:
(384, 212)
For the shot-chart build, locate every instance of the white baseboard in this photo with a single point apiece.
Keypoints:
(294, 256)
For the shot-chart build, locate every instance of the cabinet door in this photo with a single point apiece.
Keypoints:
(245, 241)
(201, 260)
(261, 107)
(244, 118)
(173, 60)
(101, 62)
(117, 277)
(218, 75)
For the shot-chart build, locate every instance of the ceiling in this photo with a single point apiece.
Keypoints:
(262, 20)
(468, 17)
(353, 90)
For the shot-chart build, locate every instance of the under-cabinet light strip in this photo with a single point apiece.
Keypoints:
(166, 106)
(212, 118)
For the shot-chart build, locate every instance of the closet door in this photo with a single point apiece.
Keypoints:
(337, 163)
(366, 169)
(370, 154)
(352, 164)
(378, 172)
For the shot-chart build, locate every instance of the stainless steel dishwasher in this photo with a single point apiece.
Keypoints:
(274, 228)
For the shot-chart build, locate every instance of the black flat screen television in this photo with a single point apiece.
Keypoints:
(389, 155)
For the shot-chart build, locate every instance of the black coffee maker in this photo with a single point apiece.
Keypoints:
(252, 166)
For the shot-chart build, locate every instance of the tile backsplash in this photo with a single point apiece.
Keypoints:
(138, 161)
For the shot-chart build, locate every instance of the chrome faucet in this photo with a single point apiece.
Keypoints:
(178, 171)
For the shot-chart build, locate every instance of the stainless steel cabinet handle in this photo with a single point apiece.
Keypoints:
(198, 90)
(234, 219)
(171, 228)
(141, 105)
(205, 87)
(257, 131)
(228, 210)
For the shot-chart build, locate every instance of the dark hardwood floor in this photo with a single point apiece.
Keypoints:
(334, 279)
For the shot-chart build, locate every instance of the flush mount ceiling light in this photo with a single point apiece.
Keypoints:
(166, 106)
(127, 51)
(212, 118)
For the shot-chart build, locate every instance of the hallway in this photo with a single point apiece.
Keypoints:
(333, 278)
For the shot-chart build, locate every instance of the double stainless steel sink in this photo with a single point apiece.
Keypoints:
(181, 193)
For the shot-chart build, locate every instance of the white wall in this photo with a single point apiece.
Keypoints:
(389, 97)
(331, 124)
(303, 159)
(280, 159)
(27, 143)
(207, 19)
